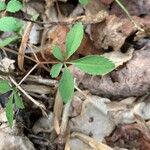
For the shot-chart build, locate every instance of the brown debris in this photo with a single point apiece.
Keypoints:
(55, 36)
(129, 136)
(112, 33)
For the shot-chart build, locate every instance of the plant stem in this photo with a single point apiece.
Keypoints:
(129, 16)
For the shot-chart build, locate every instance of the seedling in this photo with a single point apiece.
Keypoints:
(14, 99)
(92, 64)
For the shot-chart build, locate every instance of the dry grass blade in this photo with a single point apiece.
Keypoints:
(93, 143)
(65, 118)
(23, 45)
(58, 107)
(67, 145)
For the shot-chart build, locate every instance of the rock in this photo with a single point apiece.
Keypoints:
(94, 119)
(13, 139)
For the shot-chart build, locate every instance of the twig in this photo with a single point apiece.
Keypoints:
(41, 106)
(17, 53)
(28, 73)
(90, 19)
(79, 90)
(40, 80)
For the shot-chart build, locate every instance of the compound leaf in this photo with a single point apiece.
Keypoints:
(18, 100)
(2, 6)
(56, 70)
(10, 24)
(8, 40)
(9, 111)
(74, 39)
(84, 2)
(58, 53)
(14, 6)
(4, 86)
(94, 65)
(66, 86)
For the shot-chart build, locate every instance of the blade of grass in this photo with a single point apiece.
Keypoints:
(129, 16)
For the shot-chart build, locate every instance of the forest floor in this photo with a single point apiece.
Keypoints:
(109, 112)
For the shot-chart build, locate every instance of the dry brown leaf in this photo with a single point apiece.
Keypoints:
(55, 36)
(93, 7)
(131, 136)
(87, 47)
(23, 45)
(112, 33)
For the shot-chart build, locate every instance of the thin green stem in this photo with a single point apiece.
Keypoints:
(129, 16)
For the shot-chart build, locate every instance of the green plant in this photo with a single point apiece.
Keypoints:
(92, 64)
(8, 23)
(84, 2)
(14, 99)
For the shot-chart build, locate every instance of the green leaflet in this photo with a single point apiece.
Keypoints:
(9, 111)
(94, 65)
(4, 86)
(84, 2)
(10, 24)
(14, 6)
(58, 53)
(66, 86)
(18, 101)
(74, 38)
(2, 6)
(8, 40)
(56, 70)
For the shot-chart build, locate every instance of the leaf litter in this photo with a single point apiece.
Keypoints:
(107, 112)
